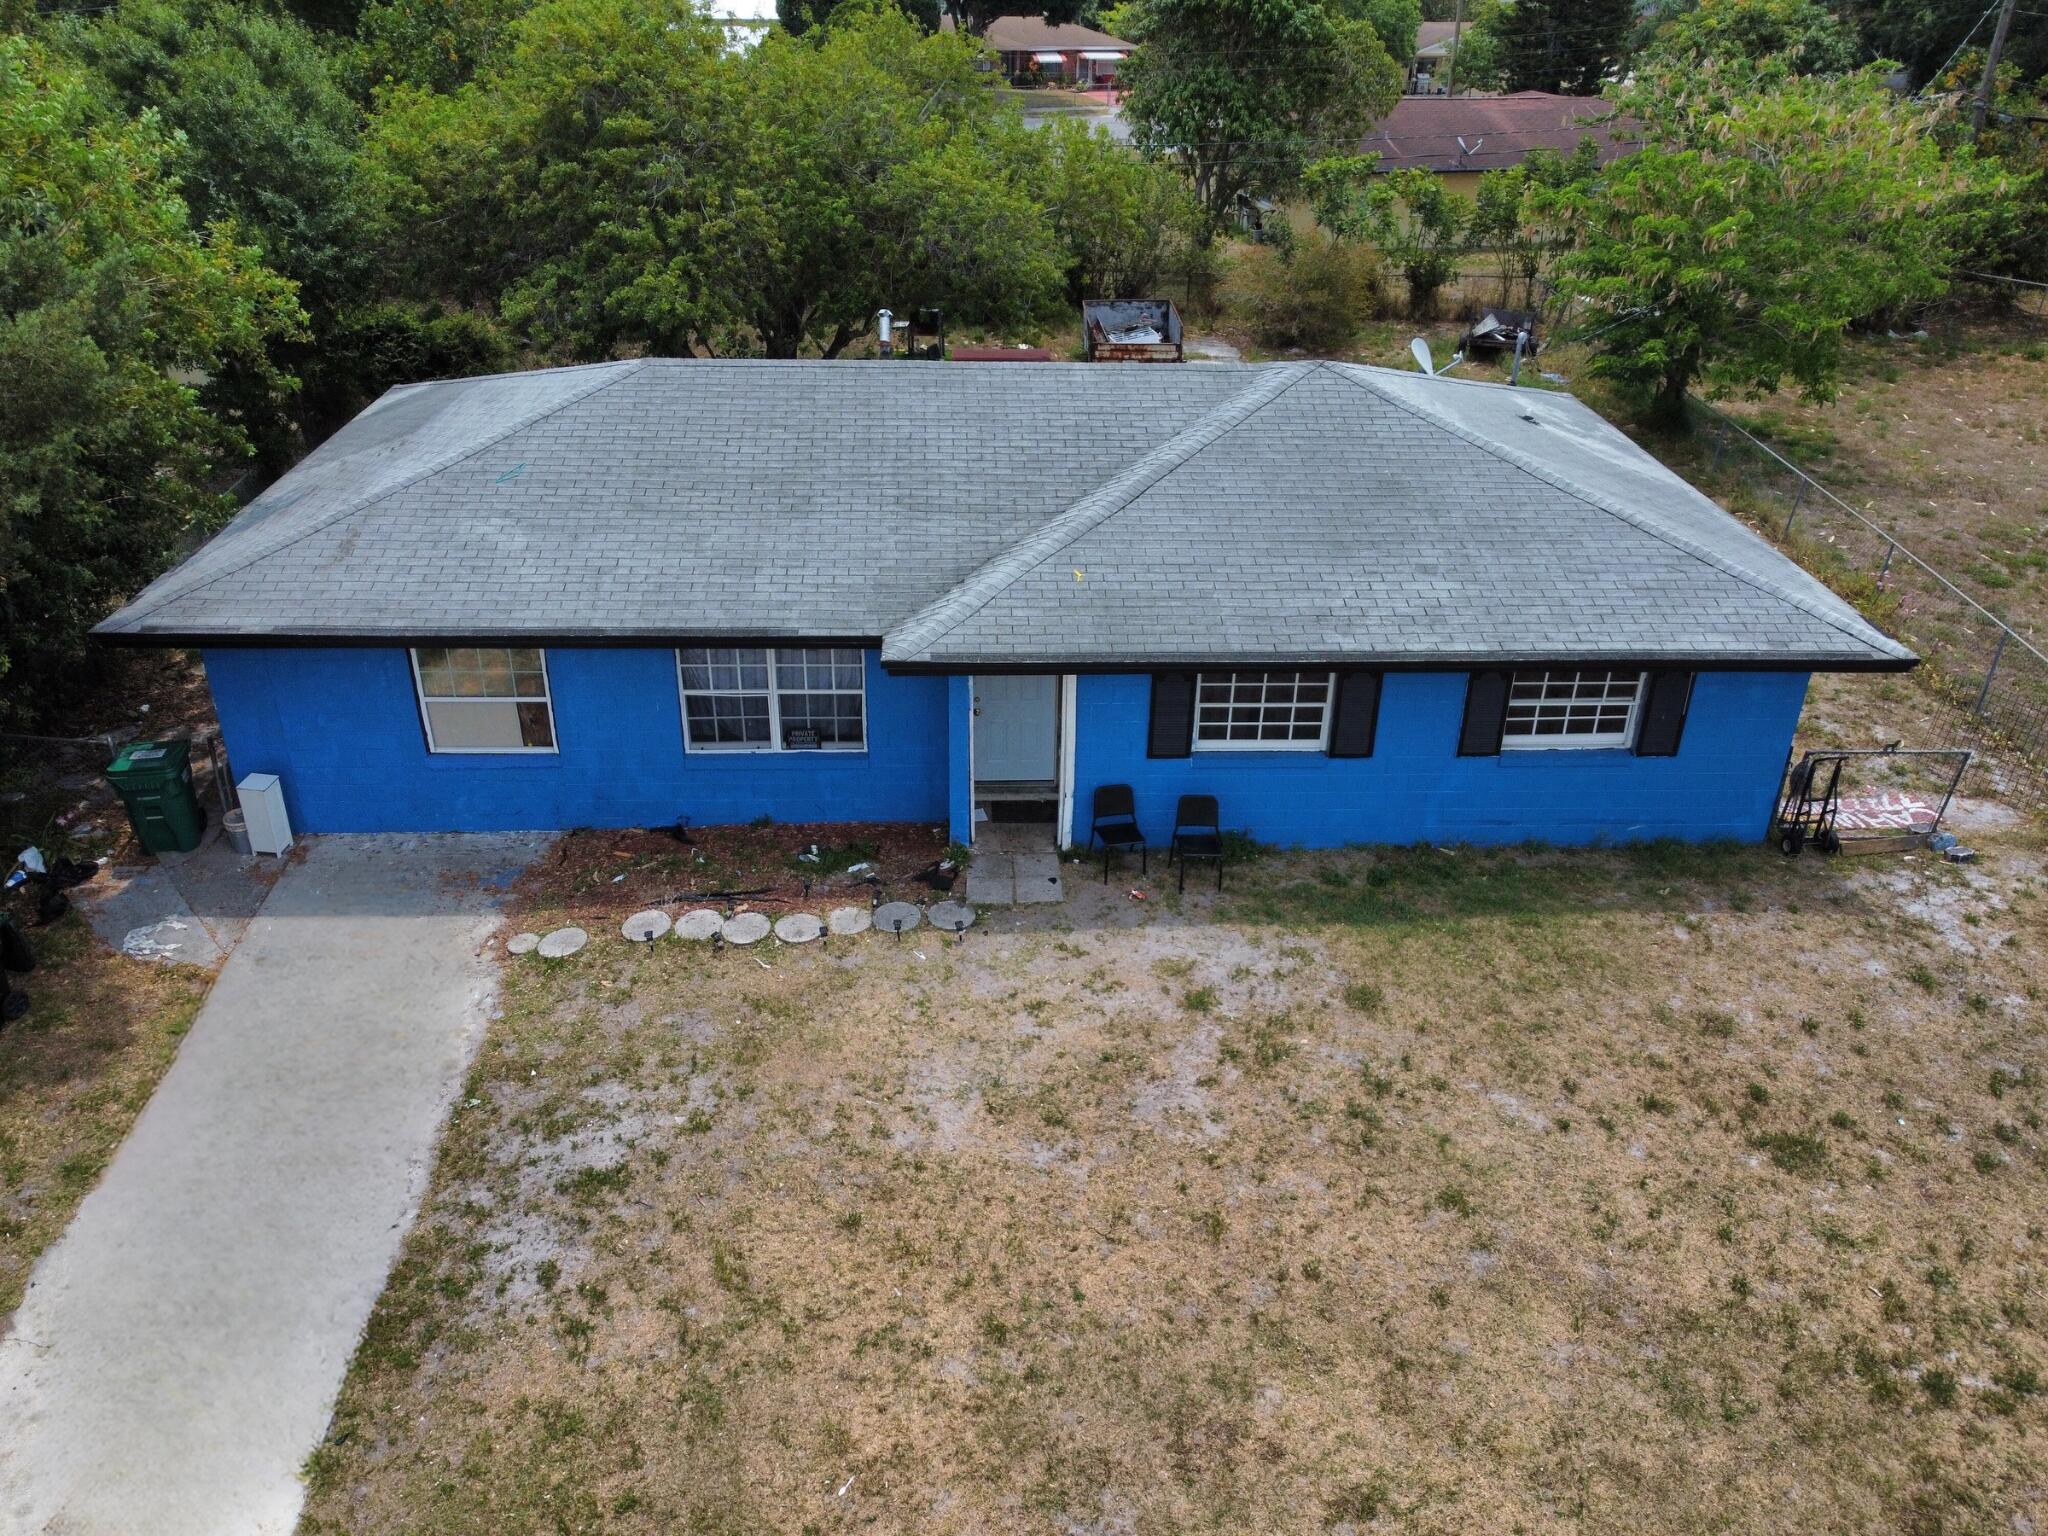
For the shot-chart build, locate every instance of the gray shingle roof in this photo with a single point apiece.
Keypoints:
(995, 515)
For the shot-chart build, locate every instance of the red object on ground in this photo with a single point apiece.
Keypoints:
(1001, 355)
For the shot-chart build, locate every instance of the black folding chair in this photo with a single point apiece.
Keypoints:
(1196, 835)
(1114, 819)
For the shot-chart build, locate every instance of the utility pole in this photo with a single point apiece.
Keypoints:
(1990, 83)
(1458, 26)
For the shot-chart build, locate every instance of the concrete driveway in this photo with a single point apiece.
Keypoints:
(179, 1350)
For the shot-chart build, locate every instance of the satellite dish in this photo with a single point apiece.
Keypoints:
(1419, 350)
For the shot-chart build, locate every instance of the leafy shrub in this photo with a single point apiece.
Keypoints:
(1313, 292)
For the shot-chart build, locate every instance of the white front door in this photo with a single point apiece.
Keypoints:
(1016, 728)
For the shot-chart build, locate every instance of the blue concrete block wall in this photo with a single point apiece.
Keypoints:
(1415, 788)
(960, 758)
(341, 728)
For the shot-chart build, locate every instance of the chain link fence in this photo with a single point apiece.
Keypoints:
(1991, 677)
(2021, 295)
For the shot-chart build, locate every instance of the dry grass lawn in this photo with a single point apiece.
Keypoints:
(1941, 440)
(1659, 1190)
(74, 1074)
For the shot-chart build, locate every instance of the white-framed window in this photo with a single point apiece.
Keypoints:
(476, 699)
(773, 699)
(1262, 711)
(1585, 708)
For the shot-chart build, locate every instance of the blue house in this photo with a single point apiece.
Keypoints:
(1356, 605)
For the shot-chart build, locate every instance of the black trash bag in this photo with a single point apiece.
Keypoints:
(15, 955)
(69, 872)
(13, 1004)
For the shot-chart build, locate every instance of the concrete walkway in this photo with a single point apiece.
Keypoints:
(180, 1348)
(1015, 864)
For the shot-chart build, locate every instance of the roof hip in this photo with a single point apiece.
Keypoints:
(1643, 521)
(923, 629)
(608, 375)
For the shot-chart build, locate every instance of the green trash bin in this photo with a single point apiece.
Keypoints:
(154, 781)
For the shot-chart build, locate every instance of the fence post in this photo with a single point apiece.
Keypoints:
(1720, 445)
(1984, 693)
(1891, 547)
(1798, 499)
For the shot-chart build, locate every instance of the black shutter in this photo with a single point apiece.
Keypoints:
(1664, 706)
(1172, 729)
(1486, 714)
(1357, 714)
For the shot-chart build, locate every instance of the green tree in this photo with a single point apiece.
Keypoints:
(1924, 35)
(438, 44)
(1123, 220)
(1478, 51)
(1569, 46)
(1500, 227)
(973, 16)
(264, 138)
(1512, 215)
(1796, 35)
(619, 181)
(870, 173)
(109, 300)
(1394, 21)
(1735, 249)
(1241, 93)
(1417, 223)
(799, 16)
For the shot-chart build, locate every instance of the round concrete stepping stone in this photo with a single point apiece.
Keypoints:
(645, 927)
(953, 916)
(897, 917)
(746, 928)
(700, 924)
(562, 943)
(798, 927)
(847, 921)
(522, 944)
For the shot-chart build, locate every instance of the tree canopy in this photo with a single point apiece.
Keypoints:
(1567, 46)
(1737, 246)
(1241, 93)
(617, 179)
(111, 304)
(1800, 36)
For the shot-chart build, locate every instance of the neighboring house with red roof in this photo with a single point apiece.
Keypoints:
(1058, 51)
(1458, 137)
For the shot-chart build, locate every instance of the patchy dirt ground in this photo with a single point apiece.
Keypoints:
(1941, 440)
(1652, 1191)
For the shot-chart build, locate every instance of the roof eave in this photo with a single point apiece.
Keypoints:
(1447, 662)
(398, 639)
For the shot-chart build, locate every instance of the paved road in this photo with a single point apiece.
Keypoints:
(180, 1348)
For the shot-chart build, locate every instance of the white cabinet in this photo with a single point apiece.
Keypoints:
(270, 829)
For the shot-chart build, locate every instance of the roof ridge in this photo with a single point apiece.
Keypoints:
(448, 461)
(1643, 521)
(981, 586)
